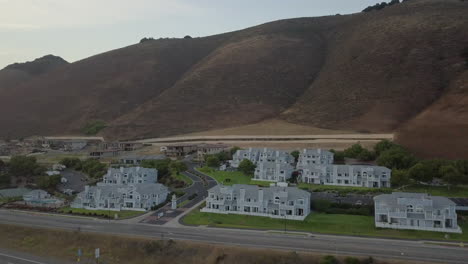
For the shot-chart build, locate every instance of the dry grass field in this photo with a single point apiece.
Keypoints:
(131, 250)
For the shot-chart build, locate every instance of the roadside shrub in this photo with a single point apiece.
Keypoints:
(329, 260)
(352, 260)
(368, 260)
(152, 247)
(320, 205)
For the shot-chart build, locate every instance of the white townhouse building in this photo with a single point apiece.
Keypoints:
(273, 171)
(417, 211)
(131, 188)
(274, 202)
(131, 175)
(309, 157)
(346, 175)
(135, 197)
(257, 155)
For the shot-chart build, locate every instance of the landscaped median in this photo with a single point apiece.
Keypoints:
(229, 178)
(101, 213)
(338, 224)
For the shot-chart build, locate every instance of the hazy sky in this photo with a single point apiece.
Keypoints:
(76, 29)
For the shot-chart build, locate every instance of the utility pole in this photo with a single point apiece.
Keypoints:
(285, 223)
(97, 254)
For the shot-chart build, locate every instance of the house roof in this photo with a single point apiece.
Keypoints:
(16, 192)
(145, 157)
(401, 199)
(274, 165)
(315, 152)
(142, 189)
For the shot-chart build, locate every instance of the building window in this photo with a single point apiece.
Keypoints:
(409, 208)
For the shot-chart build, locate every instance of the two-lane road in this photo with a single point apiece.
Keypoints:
(344, 245)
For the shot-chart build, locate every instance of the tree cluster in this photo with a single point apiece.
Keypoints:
(143, 40)
(20, 166)
(247, 167)
(49, 182)
(380, 6)
(166, 168)
(215, 160)
(92, 167)
(328, 207)
(356, 151)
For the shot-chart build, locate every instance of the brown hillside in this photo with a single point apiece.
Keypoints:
(442, 129)
(365, 72)
(384, 67)
(17, 73)
(101, 87)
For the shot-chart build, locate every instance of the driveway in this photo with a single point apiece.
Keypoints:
(201, 184)
(76, 181)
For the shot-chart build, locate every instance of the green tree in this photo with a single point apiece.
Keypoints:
(5, 179)
(24, 166)
(396, 158)
(400, 178)
(213, 161)
(366, 155)
(462, 167)
(49, 182)
(72, 163)
(161, 165)
(223, 156)
(2, 165)
(233, 150)
(420, 173)
(247, 167)
(383, 146)
(94, 168)
(295, 154)
(329, 260)
(451, 175)
(338, 156)
(352, 260)
(353, 151)
(177, 166)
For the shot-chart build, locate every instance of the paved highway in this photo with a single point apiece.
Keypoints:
(342, 245)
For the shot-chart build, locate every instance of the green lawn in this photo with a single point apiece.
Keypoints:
(318, 223)
(182, 177)
(182, 204)
(235, 177)
(101, 213)
(458, 191)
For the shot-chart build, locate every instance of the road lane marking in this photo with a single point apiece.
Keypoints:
(22, 259)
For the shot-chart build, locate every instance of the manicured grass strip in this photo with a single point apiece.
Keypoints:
(231, 177)
(318, 223)
(182, 204)
(101, 213)
(184, 178)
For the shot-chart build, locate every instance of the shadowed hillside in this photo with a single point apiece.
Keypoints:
(17, 73)
(369, 72)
